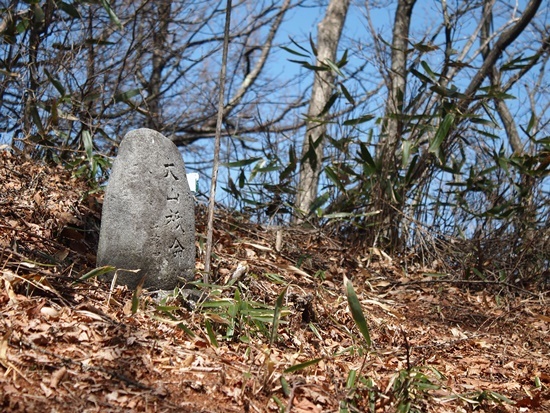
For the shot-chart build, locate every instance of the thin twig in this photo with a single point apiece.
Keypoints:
(215, 166)
(291, 397)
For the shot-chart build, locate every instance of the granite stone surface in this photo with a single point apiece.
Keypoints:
(148, 218)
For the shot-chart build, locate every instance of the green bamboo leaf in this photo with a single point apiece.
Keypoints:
(357, 121)
(479, 274)
(57, 84)
(303, 365)
(211, 333)
(447, 92)
(38, 14)
(500, 397)
(501, 95)
(425, 47)
(403, 407)
(276, 315)
(309, 66)
(481, 121)
(442, 132)
(298, 45)
(352, 376)
(485, 133)
(334, 178)
(294, 52)
(312, 44)
(310, 156)
(411, 169)
(99, 42)
(300, 62)
(347, 95)
(344, 60)
(22, 26)
(285, 386)
(69, 9)
(316, 68)
(518, 63)
(406, 147)
(96, 272)
(107, 6)
(292, 164)
(328, 105)
(423, 78)
(242, 179)
(334, 67)
(280, 404)
(186, 329)
(244, 162)
(36, 118)
(292, 155)
(223, 303)
(319, 202)
(357, 312)
(167, 308)
(365, 155)
(126, 96)
(428, 70)
(531, 124)
(489, 113)
(340, 215)
(88, 143)
(315, 331)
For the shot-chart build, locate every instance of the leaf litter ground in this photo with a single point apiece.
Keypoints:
(438, 345)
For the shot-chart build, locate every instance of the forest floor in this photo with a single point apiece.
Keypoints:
(438, 344)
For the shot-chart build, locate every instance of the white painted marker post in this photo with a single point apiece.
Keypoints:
(192, 179)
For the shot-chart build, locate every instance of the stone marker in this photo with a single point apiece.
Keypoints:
(148, 218)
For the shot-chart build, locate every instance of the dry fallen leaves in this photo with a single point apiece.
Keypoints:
(66, 347)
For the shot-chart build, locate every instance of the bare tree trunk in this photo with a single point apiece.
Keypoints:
(526, 214)
(385, 200)
(163, 11)
(398, 80)
(328, 36)
(494, 75)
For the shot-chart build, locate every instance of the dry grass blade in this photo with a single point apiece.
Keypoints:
(136, 295)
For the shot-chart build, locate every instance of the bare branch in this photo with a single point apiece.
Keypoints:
(254, 73)
(504, 40)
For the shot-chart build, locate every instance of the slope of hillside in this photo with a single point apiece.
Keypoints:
(438, 344)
